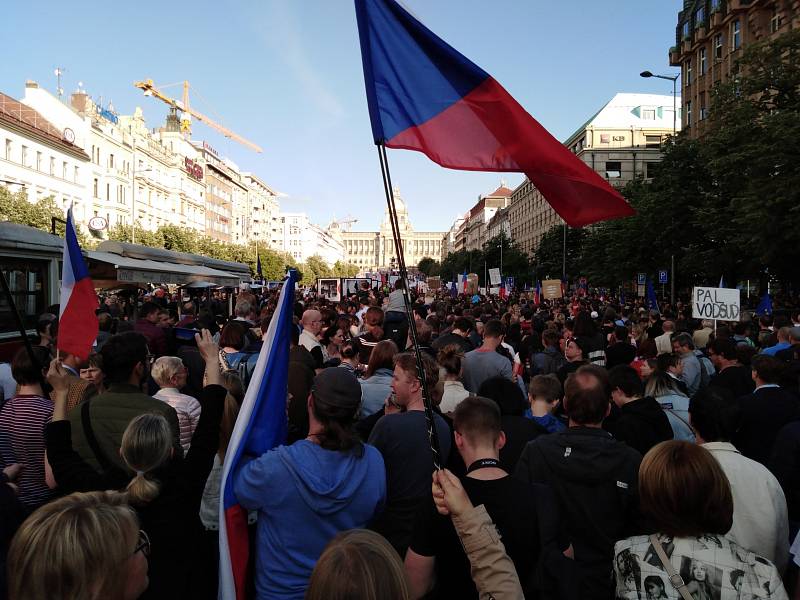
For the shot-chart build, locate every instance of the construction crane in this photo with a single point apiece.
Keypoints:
(149, 89)
(345, 223)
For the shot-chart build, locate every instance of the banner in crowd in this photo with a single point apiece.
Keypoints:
(551, 289)
(719, 304)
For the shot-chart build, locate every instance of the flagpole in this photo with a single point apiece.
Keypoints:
(433, 439)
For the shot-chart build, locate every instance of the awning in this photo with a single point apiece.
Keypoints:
(110, 267)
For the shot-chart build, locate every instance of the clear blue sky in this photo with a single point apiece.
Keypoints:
(287, 75)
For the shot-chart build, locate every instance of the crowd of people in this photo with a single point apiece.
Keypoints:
(589, 449)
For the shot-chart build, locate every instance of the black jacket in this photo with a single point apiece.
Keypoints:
(736, 379)
(171, 520)
(641, 424)
(764, 413)
(594, 478)
(785, 465)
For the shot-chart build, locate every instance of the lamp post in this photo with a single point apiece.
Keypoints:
(674, 80)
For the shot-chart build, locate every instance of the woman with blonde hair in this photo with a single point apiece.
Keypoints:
(84, 546)
(450, 360)
(358, 565)
(687, 498)
(165, 490)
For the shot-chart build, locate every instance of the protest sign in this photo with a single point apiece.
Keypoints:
(719, 304)
(551, 288)
(494, 276)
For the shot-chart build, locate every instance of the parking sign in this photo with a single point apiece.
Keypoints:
(641, 278)
(662, 276)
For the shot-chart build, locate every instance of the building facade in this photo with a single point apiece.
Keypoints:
(301, 239)
(450, 239)
(621, 142)
(482, 213)
(372, 250)
(264, 210)
(42, 158)
(711, 35)
(499, 225)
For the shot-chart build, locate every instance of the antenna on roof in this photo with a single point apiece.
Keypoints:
(58, 72)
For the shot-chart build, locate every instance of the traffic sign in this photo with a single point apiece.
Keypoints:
(641, 278)
(662, 276)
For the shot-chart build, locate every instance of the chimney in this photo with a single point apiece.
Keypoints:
(31, 84)
(80, 101)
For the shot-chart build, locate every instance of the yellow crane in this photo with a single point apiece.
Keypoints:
(149, 89)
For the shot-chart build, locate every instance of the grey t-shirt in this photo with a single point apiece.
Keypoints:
(479, 366)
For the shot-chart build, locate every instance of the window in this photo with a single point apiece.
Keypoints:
(736, 34)
(28, 283)
(685, 30)
(715, 4)
(688, 113)
(699, 17)
(701, 61)
(650, 169)
(8, 149)
(95, 187)
(38, 161)
(76, 173)
(52, 165)
(718, 47)
(688, 77)
(64, 170)
(775, 21)
(92, 152)
(110, 161)
(649, 114)
(703, 113)
(613, 169)
(652, 141)
(24, 156)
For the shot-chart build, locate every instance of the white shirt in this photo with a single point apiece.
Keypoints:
(188, 410)
(760, 517)
(308, 340)
(664, 343)
(454, 392)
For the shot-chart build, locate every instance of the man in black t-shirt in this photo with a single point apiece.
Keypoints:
(436, 555)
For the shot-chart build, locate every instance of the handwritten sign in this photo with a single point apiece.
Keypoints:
(551, 288)
(494, 276)
(718, 304)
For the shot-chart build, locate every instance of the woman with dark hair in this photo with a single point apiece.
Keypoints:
(685, 495)
(308, 492)
(332, 339)
(377, 383)
(232, 341)
(585, 328)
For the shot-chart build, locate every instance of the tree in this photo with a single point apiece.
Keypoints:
(549, 255)
(15, 207)
(511, 261)
(341, 269)
(428, 266)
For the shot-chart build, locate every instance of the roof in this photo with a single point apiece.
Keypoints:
(161, 255)
(501, 191)
(625, 110)
(24, 116)
(22, 237)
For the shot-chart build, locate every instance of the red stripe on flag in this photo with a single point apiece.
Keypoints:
(238, 546)
(77, 328)
(487, 130)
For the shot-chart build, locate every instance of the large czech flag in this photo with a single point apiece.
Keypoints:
(261, 426)
(423, 95)
(77, 319)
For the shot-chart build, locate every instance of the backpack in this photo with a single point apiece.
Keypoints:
(242, 367)
(707, 370)
(552, 363)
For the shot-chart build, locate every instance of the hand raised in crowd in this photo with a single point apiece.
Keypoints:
(12, 472)
(448, 494)
(58, 377)
(209, 350)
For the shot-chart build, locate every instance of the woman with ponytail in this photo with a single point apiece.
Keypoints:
(164, 488)
(308, 492)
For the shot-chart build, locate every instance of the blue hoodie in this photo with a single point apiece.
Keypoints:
(305, 495)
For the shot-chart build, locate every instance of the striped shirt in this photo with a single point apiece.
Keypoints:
(22, 422)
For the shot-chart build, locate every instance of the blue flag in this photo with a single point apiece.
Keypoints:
(622, 297)
(258, 268)
(652, 301)
(764, 306)
(722, 281)
(453, 290)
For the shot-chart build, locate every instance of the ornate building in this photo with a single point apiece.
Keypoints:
(371, 250)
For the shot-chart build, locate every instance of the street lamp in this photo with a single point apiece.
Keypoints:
(674, 80)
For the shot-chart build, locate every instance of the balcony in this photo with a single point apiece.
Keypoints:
(674, 56)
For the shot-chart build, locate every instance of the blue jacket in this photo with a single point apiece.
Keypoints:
(677, 408)
(374, 391)
(305, 495)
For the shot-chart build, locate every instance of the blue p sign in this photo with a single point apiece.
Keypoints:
(641, 278)
(662, 276)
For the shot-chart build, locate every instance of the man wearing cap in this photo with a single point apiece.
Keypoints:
(575, 351)
(308, 492)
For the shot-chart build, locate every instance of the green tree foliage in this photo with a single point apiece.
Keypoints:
(548, 257)
(428, 266)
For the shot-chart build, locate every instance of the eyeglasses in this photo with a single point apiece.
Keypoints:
(144, 544)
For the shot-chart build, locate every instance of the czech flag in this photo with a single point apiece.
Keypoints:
(652, 301)
(537, 295)
(423, 95)
(77, 319)
(260, 427)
